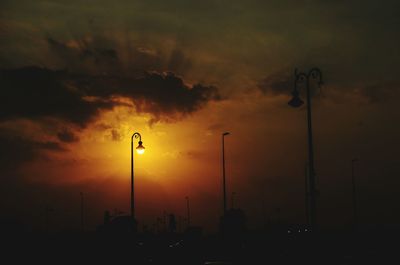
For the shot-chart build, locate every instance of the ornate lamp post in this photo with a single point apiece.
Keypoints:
(314, 74)
(140, 151)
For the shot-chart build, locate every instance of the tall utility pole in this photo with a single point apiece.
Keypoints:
(232, 199)
(188, 210)
(82, 213)
(223, 169)
(355, 217)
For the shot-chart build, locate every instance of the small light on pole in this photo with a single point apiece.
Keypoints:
(140, 148)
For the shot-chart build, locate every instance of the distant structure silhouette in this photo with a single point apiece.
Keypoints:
(117, 224)
(233, 224)
(172, 225)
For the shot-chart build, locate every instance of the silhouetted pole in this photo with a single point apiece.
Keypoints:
(46, 219)
(82, 212)
(165, 220)
(278, 215)
(354, 192)
(140, 150)
(47, 212)
(223, 168)
(188, 210)
(307, 202)
(315, 74)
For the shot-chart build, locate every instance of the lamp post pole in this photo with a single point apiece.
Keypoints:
(313, 201)
(82, 215)
(140, 150)
(313, 74)
(223, 169)
(232, 199)
(354, 193)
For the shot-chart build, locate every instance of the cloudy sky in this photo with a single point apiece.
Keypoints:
(78, 78)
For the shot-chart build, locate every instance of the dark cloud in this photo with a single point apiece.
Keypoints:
(16, 150)
(67, 136)
(178, 62)
(195, 154)
(378, 93)
(100, 54)
(162, 94)
(215, 127)
(282, 83)
(115, 135)
(34, 93)
(82, 54)
(277, 83)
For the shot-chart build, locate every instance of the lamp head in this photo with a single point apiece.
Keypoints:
(296, 101)
(225, 133)
(140, 148)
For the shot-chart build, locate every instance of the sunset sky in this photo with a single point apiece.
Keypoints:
(78, 78)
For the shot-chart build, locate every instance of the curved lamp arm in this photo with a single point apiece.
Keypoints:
(314, 74)
(136, 135)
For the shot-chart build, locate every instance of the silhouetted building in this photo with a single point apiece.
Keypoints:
(118, 224)
(193, 232)
(233, 224)
(107, 217)
(172, 224)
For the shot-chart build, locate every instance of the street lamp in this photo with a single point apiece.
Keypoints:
(140, 150)
(223, 168)
(354, 192)
(316, 75)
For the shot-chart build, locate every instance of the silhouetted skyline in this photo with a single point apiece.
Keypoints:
(79, 79)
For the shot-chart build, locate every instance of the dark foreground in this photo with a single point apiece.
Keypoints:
(325, 247)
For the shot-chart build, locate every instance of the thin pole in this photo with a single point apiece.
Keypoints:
(232, 198)
(82, 209)
(313, 203)
(165, 220)
(132, 190)
(307, 210)
(223, 171)
(188, 211)
(354, 193)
